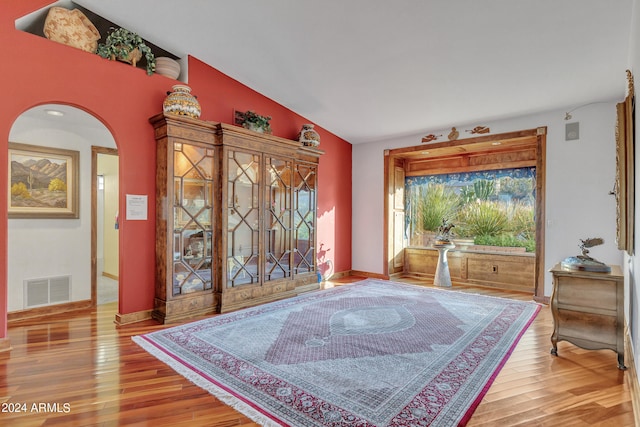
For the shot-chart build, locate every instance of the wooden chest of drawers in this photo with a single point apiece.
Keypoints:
(587, 309)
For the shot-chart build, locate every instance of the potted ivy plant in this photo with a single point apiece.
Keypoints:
(253, 121)
(127, 46)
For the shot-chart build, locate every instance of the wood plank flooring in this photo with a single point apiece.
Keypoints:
(81, 370)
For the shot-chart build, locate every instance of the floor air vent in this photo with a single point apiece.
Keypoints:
(47, 291)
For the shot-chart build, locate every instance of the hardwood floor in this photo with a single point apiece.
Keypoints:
(82, 370)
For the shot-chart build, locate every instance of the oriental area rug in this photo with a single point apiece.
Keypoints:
(372, 353)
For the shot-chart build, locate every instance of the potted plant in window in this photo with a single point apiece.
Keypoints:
(127, 46)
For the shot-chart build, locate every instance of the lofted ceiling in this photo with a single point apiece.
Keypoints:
(370, 70)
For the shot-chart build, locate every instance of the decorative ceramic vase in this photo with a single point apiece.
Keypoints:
(308, 136)
(180, 101)
(167, 67)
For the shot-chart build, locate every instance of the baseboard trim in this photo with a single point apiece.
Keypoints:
(339, 275)
(368, 275)
(110, 276)
(49, 310)
(129, 318)
(632, 376)
(542, 300)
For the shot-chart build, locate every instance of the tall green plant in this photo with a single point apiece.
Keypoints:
(435, 203)
(519, 188)
(522, 221)
(483, 188)
(483, 218)
(467, 195)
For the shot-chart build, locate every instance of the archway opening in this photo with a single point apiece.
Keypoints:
(52, 259)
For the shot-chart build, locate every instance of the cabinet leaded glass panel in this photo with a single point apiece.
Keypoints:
(243, 217)
(192, 215)
(278, 219)
(304, 215)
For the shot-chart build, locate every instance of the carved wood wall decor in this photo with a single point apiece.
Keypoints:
(430, 137)
(454, 134)
(625, 173)
(479, 130)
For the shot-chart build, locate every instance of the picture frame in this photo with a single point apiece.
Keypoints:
(43, 182)
(624, 189)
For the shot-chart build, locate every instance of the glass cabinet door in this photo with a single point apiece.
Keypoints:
(243, 218)
(192, 215)
(277, 235)
(304, 217)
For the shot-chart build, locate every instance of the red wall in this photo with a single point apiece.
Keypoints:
(37, 71)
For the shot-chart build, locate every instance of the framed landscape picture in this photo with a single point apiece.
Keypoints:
(43, 182)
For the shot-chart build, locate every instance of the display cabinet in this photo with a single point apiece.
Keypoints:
(236, 217)
(269, 197)
(185, 219)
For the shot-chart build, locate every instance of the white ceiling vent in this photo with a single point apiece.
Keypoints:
(47, 291)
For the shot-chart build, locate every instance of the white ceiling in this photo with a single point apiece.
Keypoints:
(369, 70)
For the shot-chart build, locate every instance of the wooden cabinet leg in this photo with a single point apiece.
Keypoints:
(621, 362)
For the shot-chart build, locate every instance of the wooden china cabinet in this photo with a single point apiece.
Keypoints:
(235, 217)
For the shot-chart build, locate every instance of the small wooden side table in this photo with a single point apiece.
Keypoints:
(587, 309)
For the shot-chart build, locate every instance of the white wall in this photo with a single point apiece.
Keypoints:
(41, 248)
(580, 175)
